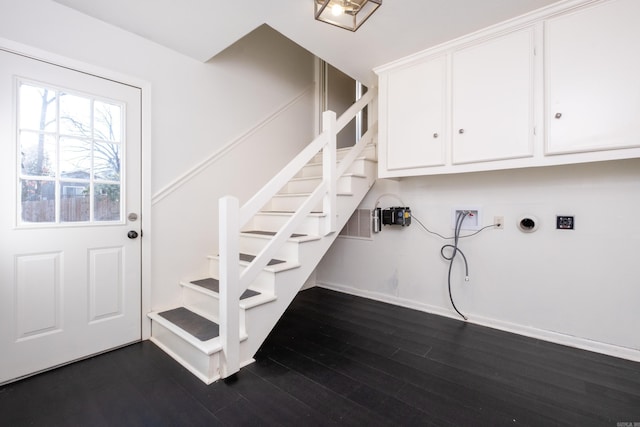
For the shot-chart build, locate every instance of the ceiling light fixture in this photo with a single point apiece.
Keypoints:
(347, 14)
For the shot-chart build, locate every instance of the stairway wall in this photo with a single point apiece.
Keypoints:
(191, 212)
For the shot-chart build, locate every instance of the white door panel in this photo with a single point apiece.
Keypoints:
(70, 278)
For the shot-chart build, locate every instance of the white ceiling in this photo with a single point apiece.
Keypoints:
(203, 28)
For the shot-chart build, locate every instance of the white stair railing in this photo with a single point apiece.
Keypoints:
(234, 218)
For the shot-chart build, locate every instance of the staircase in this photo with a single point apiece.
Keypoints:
(268, 249)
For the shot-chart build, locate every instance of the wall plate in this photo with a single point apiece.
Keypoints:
(473, 221)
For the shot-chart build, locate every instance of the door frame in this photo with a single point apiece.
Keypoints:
(145, 213)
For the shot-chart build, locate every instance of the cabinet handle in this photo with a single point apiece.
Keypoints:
(435, 135)
(461, 131)
(558, 115)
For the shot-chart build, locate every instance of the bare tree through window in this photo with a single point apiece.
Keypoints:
(70, 156)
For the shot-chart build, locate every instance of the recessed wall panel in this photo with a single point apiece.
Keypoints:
(105, 283)
(38, 292)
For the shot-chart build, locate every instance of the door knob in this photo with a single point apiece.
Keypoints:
(132, 234)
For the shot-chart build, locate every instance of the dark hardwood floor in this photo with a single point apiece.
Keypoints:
(336, 359)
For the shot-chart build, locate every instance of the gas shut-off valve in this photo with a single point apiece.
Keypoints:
(391, 216)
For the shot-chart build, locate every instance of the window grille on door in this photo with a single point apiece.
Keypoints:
(69, 155)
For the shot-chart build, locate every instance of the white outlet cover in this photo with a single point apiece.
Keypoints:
(470, 222)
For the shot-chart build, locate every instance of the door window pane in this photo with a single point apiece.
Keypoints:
(74, 202)
(37, 108)
(37, 201)
(107, 121)
(37, 154)
(107, 202)
(70, 149)
(75, 158)
(106, 161)
(75, 115)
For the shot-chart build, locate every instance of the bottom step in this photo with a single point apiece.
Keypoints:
(191, 323)
(201, 358)
(192, 340)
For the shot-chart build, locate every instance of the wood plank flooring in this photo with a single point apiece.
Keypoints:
(335, 359)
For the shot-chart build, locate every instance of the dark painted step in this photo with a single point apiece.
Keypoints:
(270, 233)
(214, 285)
(249, 258)
(196, 325)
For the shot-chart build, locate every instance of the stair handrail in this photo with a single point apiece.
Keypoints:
(233, 219)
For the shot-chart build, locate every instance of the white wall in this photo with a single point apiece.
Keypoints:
(196, 109)
(578, 287)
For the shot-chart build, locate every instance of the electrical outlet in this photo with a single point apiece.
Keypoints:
(472, 221)
(498, 221)
(564, 222)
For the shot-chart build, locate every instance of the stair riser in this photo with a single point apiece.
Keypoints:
(308, 185)
(359, 167)
(290, 204)
(206, 367)
(263, 283)
(253, 245)
(311, 225)
(369, 152)
(207, 305)
(201, 303)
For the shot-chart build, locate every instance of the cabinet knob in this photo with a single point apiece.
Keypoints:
(435, 135)
(558, 115)
(461, 131)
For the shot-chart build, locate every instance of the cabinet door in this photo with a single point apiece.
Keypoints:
(593, 78)
(492, 86)
(415, 115)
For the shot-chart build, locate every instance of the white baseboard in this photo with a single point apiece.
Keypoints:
(550, 336)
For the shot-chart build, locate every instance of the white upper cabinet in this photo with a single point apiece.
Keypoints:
(415, 115)
(557, 86)
(592, 61)
(492, 99)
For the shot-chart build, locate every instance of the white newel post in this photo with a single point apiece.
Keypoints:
(229, 232)
(329, 127)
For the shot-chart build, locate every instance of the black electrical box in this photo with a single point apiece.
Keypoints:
(396, 216)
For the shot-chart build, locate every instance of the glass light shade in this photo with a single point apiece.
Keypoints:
(347, 14)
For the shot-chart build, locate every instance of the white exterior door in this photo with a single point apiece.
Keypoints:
(70, 182)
